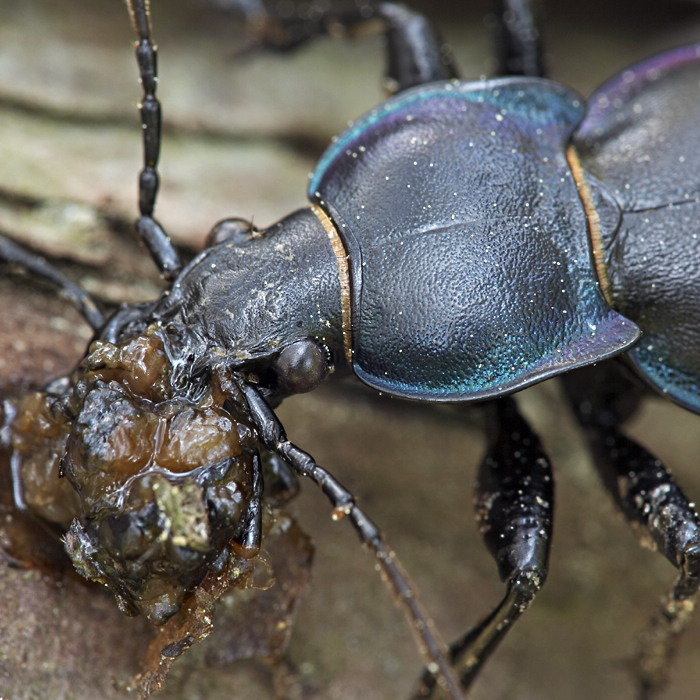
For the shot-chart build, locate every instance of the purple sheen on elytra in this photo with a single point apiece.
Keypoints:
(640, 141)
(604, 104)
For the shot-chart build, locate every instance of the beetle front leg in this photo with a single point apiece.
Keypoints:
(655, 506)
(514, 504)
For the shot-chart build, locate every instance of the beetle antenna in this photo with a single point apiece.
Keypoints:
(275, 439)
(149, 230)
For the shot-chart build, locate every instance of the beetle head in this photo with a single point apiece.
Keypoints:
(266, 304)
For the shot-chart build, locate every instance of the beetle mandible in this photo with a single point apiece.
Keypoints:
(529, 188)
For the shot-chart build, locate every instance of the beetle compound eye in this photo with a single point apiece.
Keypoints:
(301, 366)
(234, 231)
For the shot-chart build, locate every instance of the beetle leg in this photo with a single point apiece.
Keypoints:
(13, 253)
(652, 501)
(150, 231)
(660, 512)
(518, 46)
(275, 440)
(249, 533)
(514, 504)
(415, 52)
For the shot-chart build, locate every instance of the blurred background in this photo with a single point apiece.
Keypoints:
(241, 136)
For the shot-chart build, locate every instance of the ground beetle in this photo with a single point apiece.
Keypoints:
(465, 240)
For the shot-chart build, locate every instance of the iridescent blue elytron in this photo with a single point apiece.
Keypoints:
(639, 140)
